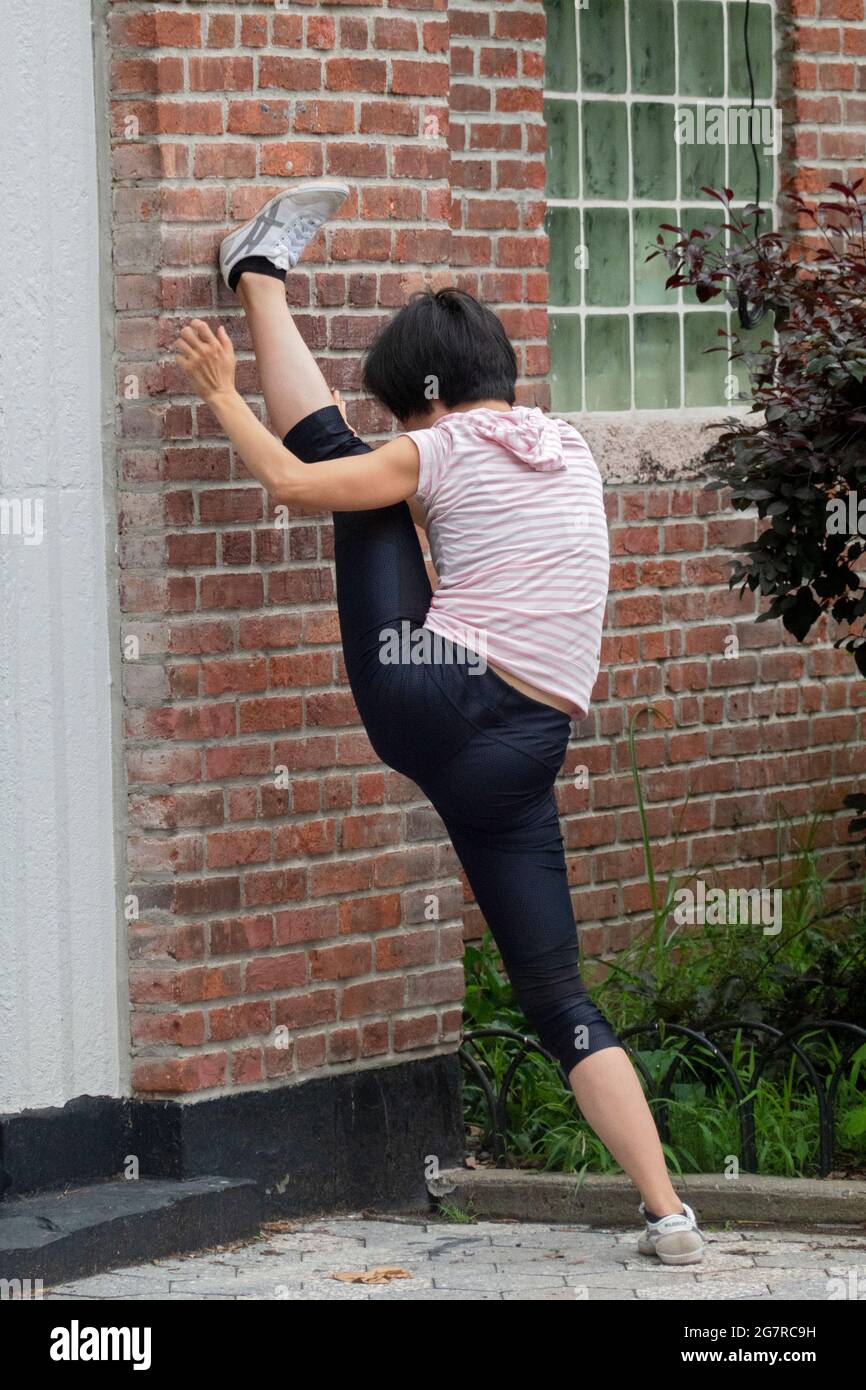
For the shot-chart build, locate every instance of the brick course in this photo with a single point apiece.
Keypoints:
(822, 80)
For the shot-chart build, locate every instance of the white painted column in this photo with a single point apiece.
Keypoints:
(59, 929)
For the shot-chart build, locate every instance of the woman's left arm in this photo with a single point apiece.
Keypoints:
(359, 482)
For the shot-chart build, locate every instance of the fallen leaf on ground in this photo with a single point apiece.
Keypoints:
(382, 1274)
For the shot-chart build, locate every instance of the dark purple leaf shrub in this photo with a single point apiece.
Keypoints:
(799, 455)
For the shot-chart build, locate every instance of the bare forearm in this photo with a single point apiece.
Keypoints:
(375, 479)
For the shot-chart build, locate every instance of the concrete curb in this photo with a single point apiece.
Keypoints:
(611, 1201)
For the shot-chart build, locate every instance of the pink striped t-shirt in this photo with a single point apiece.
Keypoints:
(515, 519)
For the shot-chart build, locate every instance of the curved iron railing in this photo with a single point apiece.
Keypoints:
(775, 1044)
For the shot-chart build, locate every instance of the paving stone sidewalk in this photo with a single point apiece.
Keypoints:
(500, 1260)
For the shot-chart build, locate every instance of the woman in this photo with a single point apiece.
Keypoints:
(469, 690)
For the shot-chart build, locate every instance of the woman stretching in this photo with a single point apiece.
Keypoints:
(468, 691)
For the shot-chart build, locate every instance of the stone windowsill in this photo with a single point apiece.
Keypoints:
(652, 446)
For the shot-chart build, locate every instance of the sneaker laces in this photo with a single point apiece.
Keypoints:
(296, 235)
(293, 236)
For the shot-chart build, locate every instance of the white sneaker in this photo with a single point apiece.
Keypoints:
(676, 1239)
(281, 229)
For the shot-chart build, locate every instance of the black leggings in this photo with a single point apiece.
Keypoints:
(485, 755)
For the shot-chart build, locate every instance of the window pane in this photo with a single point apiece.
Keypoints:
(605, 150)
(749, 340)
(656, 361)
(654, 150)
(700, 164)
(564, 334)
(705, 371)
(659, 111)
(608, 365)
(602, 46)
(563, 229)
(741, 166)
(649, 278)
(607, 257)
(563, 160)
(701, 48)
(760, 49)
(560, 61)
(651, 29)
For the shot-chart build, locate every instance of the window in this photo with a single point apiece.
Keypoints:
(646, 101)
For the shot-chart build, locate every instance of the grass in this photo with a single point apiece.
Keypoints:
(459, 1216)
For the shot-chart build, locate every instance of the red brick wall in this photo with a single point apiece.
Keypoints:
(823, 91)
(307, 907)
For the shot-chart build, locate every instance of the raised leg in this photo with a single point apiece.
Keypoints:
(381, 575)
(291, 382)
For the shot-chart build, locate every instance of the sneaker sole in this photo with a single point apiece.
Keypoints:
(322, 186)
(688, 1257)
(691, 1257)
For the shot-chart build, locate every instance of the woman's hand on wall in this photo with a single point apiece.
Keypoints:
(207, 358)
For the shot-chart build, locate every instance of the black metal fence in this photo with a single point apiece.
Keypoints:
(768, 1045)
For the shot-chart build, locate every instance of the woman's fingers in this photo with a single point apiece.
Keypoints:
(205, 334)
(198, 335)
(207, 357)
(189, 336)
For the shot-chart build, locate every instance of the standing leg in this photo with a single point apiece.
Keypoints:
(611, 1100)
(498, 807)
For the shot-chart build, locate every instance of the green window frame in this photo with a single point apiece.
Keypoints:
(620, 76)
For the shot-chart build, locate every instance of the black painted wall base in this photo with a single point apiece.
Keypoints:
(366, 1139)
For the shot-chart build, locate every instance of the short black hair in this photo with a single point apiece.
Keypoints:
(442, 345)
